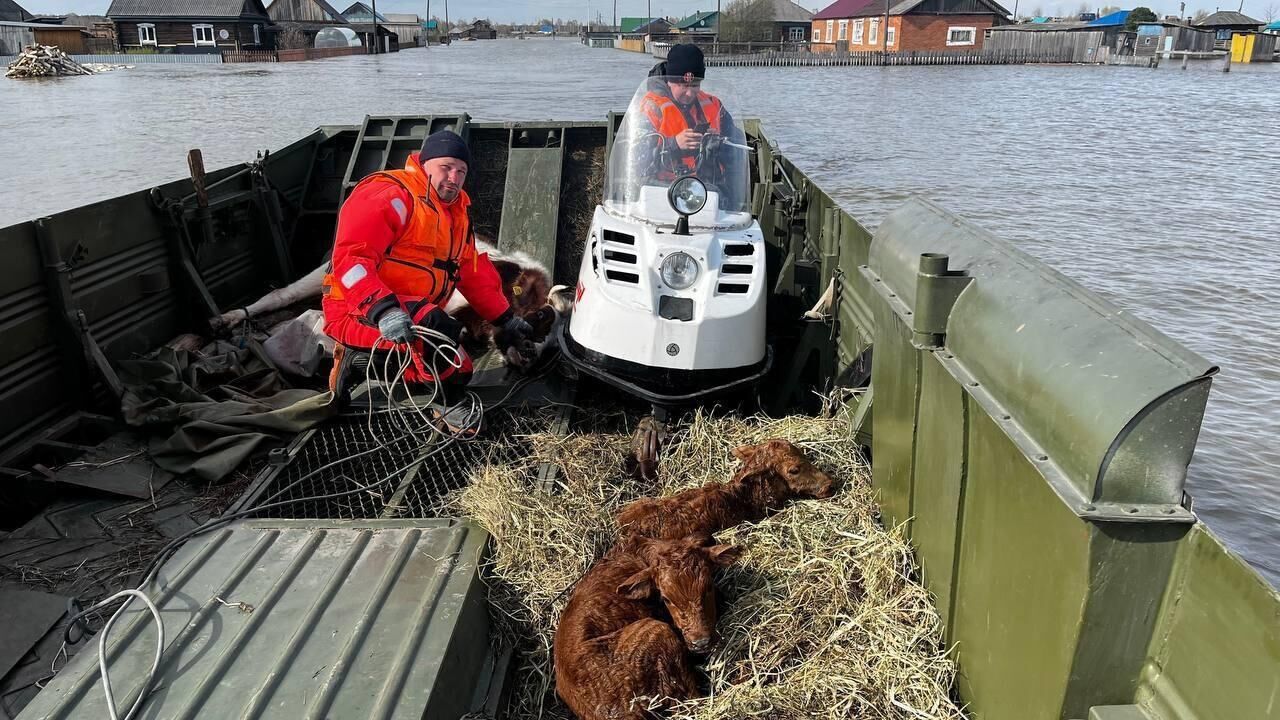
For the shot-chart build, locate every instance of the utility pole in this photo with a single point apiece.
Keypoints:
(447, 26)
(884, 31)
(428, 25)
(615, 15)
(377, 41)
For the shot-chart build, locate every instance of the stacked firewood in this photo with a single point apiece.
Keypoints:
(44, 61)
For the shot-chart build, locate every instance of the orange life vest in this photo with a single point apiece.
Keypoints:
(670, 119)
(423, 261)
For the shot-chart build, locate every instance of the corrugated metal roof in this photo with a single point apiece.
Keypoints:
(872, 8)
(184, 8)
(694, 19)
(1227, 18)
(342, 619)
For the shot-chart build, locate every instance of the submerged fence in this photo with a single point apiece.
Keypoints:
(907, 57)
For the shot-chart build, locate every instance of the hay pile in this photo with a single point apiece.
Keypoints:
(822, 617)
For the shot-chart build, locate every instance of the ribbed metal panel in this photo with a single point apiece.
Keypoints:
(375, 619)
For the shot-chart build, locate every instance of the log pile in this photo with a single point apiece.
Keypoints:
(44, 61)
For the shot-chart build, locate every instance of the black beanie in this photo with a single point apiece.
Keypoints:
(683, 59)
(445, 144)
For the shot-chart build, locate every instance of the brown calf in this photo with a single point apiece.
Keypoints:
(613, 644)
(772, 472)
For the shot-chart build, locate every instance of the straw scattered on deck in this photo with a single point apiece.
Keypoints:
(824, 616)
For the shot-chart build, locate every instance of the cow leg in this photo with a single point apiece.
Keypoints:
(651, 663)
(646, 445)
(308, 285)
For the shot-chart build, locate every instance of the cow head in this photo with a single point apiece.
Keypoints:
(680, 572)
(789, 462)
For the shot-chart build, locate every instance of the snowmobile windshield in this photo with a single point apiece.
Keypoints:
(677, 127)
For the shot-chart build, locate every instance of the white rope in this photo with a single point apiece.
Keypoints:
(102, 650)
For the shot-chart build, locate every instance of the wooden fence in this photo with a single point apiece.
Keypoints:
(906, 57)
(1079, 46)
(256, 56)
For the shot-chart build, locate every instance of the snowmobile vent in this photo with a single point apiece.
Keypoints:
(619, 237)
(739, 250)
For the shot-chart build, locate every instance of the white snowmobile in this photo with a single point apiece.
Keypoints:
(670, 299)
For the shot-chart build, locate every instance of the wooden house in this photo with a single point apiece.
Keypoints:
(791, 22)
(480, 30)
(855, 25)
(1170, 36)
(699, 23)
(407, 27)
(192, 26)
(307, 17)
(645, 26)
(1226, 22)
(11, 11)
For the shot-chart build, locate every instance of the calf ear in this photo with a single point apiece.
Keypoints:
(746, 452)
(638, 586)
(724, 555)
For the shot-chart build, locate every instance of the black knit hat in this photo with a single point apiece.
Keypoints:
(442, 144)
(684, 59)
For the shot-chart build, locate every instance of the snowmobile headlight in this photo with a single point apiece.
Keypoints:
(679, 271)
(687, 195)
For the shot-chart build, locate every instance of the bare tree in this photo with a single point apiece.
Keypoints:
(1200, 15)
(1271, 12)
(292, 37)
(744, 20)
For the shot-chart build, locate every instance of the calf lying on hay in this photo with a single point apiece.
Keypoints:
(821, 618)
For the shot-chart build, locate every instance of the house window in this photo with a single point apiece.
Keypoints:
(817, 35)
(873, 38)
(889, 35)
(961, 35)
(147, 34)
(844, 30)
(857, 31)
(203, 35)
(257, 34)
(831, 30)
(797, 34)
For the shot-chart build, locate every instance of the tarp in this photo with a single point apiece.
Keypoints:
(218, 406)
(1119, 17)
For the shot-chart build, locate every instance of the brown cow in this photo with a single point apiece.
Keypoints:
(613, 649)
(772, 473)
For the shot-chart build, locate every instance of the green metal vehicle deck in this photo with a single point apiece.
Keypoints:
(1034, 437)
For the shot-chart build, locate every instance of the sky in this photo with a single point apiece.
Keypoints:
(532, 10)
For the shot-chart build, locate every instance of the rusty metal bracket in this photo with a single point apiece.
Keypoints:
(77, 336)
(269, 202)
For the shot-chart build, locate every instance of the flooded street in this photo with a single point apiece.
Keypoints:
(1159, 189)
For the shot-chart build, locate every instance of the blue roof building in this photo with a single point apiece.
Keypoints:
(1117, 18)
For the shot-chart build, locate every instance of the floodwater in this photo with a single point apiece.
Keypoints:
(1157, 188)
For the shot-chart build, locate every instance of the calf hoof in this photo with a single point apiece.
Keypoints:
(646, 446)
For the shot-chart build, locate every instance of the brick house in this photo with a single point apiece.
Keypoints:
(192, 26)
(855, 25)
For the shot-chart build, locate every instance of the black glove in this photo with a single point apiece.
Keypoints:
(443, 323)
(395, 325)
(513, 339)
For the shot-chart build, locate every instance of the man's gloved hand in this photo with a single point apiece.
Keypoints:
(395, 325)
(443, 323)
(517, 326)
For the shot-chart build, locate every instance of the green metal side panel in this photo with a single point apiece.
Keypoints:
(342, 619)
(1022, 583)
(894, 375)
(939, 479)
(1216, 651)
(385, 142)
(531, 203)
(1111, 405)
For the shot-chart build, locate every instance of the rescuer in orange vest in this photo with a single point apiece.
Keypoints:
(676, 108)
(404, 245)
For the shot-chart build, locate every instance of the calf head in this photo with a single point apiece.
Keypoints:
(789, 462)
(680, 572)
